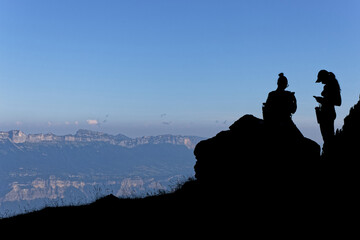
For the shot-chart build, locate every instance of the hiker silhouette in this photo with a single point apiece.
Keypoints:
(330, 97)
(280, 104)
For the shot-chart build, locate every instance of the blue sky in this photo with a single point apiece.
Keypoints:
(145, 67)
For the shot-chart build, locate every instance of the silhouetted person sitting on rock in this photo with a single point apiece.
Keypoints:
(279, 107)
(280, 104)
(331, 97)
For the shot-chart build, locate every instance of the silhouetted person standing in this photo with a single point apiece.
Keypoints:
(330, 97)
(280, 104)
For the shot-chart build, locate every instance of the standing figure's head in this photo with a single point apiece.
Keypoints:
(323, 77)
(282, 82)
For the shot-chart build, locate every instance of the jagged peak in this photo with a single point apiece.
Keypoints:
(16, 133)
(17, 136)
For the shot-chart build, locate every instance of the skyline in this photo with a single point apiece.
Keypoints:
(179, 67)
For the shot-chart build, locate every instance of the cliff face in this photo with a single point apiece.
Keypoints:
(87, 136)
(16, 136)
(253, 154)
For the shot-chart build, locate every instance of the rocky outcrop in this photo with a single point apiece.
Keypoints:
(17, 136)
(254, 154)
(342, 153)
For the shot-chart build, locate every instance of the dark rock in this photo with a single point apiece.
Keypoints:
(254, 155)
(342, 153)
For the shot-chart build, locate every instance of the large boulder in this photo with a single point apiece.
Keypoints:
(254, 155)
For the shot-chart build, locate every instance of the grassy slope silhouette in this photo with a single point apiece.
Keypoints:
(261, 178)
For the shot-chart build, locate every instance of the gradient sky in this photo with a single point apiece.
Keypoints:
(149, 67)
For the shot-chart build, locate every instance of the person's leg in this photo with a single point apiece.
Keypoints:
(327, 129)
(327, 132)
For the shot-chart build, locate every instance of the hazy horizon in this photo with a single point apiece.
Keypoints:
(308, 131)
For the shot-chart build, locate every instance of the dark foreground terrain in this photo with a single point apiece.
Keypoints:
(194, 211)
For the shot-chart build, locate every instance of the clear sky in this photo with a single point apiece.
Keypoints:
(148, 67)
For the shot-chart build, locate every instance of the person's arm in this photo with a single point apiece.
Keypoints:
(319, 99)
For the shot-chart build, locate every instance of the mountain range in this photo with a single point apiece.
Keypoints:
(86, 136)
(38, 170)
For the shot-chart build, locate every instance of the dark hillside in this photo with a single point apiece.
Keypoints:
(345, 146)
(342, 157)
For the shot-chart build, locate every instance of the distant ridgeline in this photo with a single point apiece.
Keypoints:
(17, 136)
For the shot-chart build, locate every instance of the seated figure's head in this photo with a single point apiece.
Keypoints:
(282, 82)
